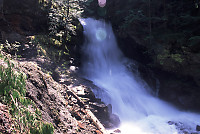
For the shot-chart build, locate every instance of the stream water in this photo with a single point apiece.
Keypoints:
(138, 110)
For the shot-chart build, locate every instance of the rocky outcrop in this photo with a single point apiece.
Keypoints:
(58, 103)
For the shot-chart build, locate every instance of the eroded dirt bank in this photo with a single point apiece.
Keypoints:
(64, 99)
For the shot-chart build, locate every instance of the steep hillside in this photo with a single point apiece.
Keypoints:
(40, 40)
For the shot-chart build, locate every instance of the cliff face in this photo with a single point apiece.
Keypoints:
(21, 17)
(164, 37)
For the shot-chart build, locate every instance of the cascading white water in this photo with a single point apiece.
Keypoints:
(138, 110)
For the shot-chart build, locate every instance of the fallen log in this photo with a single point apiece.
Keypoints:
(88, 112)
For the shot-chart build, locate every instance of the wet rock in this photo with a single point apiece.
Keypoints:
(170, 122)
(100, 107)
(183, 91)
(197, 128)
(114, 119)
(100, 110)
(117, 131)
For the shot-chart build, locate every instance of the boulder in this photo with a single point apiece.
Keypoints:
(198, 128)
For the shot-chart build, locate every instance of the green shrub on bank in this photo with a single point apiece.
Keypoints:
(50, 47)
(23, 110)
(12, 83)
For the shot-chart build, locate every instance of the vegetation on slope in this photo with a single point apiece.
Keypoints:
(26, 116)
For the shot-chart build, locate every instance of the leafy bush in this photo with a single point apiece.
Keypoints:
(49, 47)
(11, 48)
(61, 17)
(12, 93)
(12, 83)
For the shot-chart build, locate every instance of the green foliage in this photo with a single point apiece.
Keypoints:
(134, 16)
(44, 4)
(11, 82)
(49, 47)
(44, 129)
(163, 56)
(11, 48)
(177, 58)
(166, 55)
(46, 40)
(12, 93)
(61, 15)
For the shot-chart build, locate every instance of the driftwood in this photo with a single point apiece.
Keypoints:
(96, 121)
(88, 112)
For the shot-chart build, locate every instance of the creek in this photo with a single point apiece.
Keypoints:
(139, 111)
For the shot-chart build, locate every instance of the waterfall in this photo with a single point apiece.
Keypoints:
(131, 100)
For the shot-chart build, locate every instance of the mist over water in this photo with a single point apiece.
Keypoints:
(131, 100)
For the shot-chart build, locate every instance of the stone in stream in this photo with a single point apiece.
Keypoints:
(170, 122)
(104, 114)
(183, 129)
(114, 119)
(117, 131)
(198, 128)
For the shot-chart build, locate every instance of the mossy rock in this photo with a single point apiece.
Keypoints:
(194, 43)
